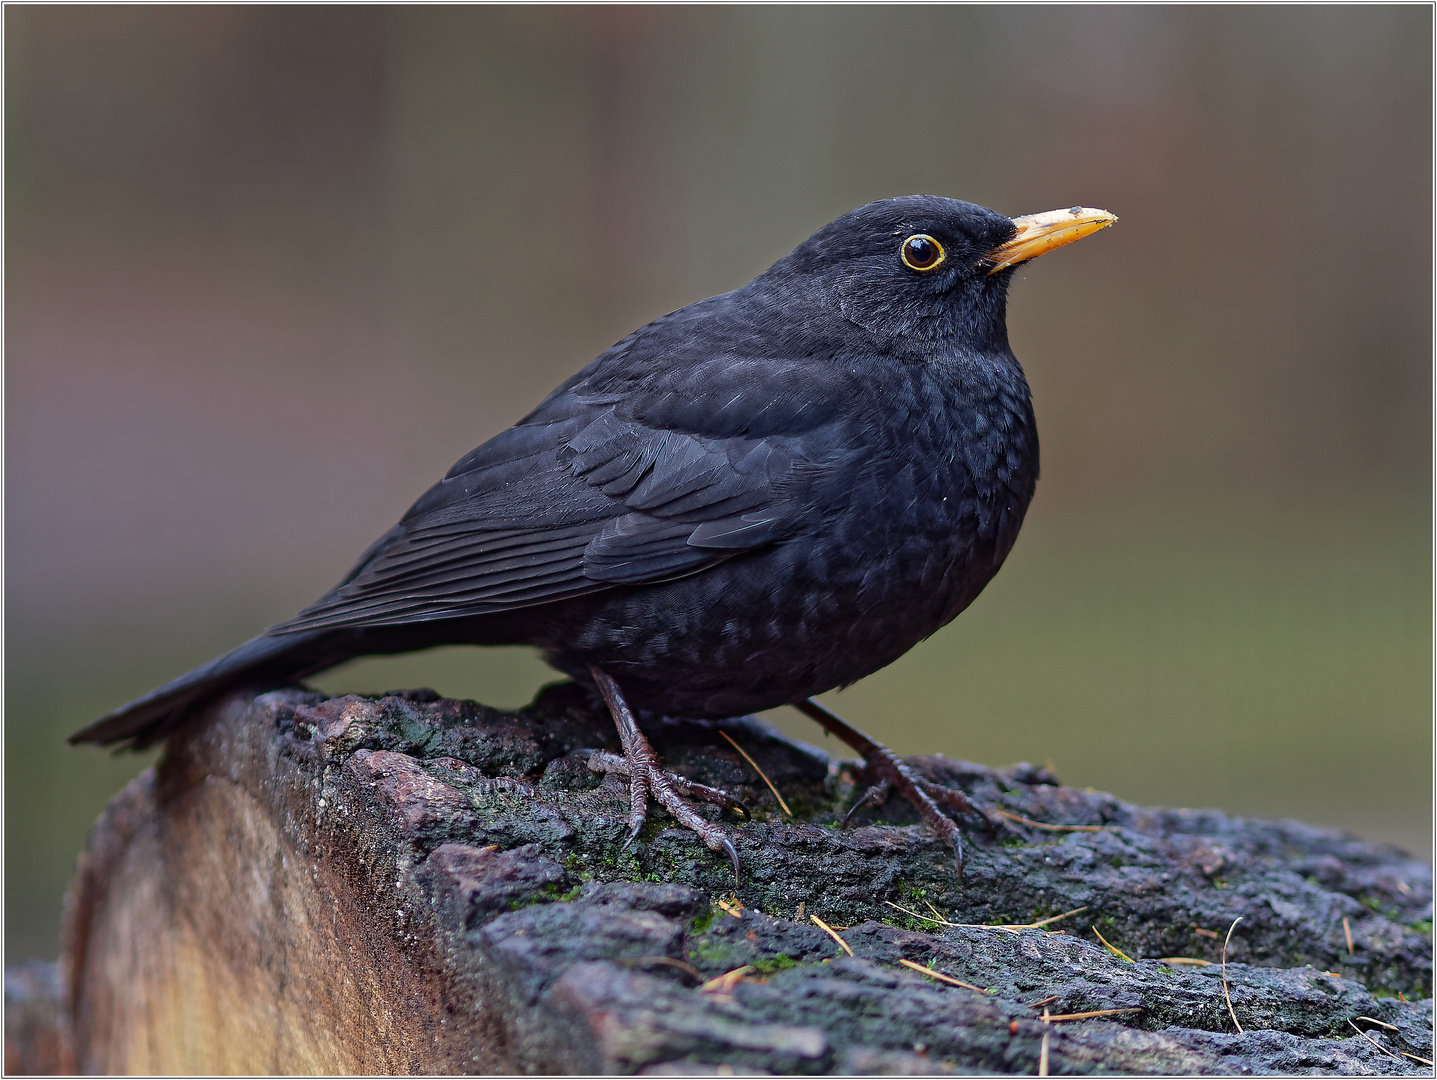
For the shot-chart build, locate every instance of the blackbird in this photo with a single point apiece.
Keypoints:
(749, 501)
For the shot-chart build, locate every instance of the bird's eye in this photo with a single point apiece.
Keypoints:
(922, 252)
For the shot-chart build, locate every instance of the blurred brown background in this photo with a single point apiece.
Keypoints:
(270, 271)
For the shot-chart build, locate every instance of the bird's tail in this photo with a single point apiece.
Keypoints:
(268, 660)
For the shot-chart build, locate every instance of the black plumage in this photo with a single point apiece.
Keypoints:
(753, 499)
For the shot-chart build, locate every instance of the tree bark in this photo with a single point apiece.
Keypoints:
(406, 884)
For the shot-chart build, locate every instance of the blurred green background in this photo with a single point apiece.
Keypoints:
(271, 270)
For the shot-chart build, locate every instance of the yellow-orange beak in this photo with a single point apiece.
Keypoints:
(1039, 234)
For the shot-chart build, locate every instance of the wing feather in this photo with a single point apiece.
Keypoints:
(604, 484)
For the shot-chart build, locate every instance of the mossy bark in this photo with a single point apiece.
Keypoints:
(408, 884)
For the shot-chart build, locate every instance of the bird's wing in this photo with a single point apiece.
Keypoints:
(596, 488)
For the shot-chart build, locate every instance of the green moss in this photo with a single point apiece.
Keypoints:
(1422, 926)
(705, 952)
(547, 894)
(1372, 903)
(774, 964)
(578, 866)
(908, 922)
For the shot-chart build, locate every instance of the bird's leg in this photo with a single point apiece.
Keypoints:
(891, 773)
(646, 778)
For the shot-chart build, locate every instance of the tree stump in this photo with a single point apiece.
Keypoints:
(407, 884)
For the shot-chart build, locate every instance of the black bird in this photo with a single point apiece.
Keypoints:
(756, 498)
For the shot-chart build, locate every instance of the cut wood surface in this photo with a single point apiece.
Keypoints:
(408, 884)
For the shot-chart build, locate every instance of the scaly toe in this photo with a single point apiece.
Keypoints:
(641, 763)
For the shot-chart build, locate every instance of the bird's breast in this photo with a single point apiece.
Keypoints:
(953, 475)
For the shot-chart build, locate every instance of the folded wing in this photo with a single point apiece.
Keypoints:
(580, 497)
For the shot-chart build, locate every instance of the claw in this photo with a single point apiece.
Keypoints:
(633, 835)
(732, 853)
(877, 794)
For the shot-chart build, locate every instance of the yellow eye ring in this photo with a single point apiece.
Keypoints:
(921, 252)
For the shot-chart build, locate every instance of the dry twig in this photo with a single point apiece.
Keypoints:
(760, 772)
(736, 910)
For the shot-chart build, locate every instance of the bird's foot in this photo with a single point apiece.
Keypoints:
(640, 763)
(888, 773)
(672, 791)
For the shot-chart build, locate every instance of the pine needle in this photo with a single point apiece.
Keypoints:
(940, 976)
(724, 984)
(1373, 1041)
(1225, 994)
(1044, 922)
(760, 772)
(831, 932)
(1091, 1013)
(1045, 825)
(1011, 928)
(1113, 948)
(1379, 1023)
(916, 915)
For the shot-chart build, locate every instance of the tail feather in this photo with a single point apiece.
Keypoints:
(276, 660)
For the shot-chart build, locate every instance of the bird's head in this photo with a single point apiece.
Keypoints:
(928, 267)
